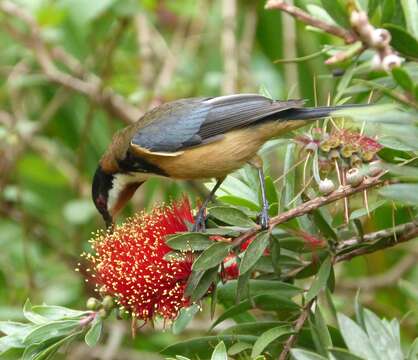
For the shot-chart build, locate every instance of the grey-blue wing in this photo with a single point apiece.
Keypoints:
(185, 123)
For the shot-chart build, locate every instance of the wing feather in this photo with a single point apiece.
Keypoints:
(185, 123)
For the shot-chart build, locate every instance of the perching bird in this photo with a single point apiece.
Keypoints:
(194, 138)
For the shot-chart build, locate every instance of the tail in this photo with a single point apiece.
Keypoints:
(314, 112)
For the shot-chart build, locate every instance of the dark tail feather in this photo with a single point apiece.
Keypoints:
(314, 112)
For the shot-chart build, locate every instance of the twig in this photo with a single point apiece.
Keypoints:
(380, 239)
(229, 47)
(298, 13)
(307, 207)
(289, 38)
(144, 41)
(117, 332)
(90, 85)
(298, 327)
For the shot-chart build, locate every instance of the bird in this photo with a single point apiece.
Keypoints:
(195, 138)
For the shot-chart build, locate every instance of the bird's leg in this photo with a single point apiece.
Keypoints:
(264, 218)
(199, 220)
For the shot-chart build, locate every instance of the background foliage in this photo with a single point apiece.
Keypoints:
(53, 131)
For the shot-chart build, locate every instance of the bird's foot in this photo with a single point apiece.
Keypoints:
(264, 219)
(200, 221)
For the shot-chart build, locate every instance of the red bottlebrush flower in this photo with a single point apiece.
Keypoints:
(129, 263)
(230, 268)
(247, 242)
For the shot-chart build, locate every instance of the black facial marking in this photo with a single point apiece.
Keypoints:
(132, 163)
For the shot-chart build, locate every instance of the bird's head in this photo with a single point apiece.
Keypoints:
(111, 192)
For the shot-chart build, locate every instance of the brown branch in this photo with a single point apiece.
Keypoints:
(90, 85)
(229, 46)
(300, 321)
(378, 240)
(307, 207)
(303, 16)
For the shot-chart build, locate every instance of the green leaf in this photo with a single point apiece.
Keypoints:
(388, 8)
(268, 337)
(31, 316)
(255, 328)
(238, 348)
(50, 330)
(44, 351)
(254, 251)
(189, 241)
(11, 327)
(220, 352)
(335, 9)
(385, 345)
(323, 225)
(212, 256)
(320, 280)
(227, 291)
(409, 289)
(403, 193)
(413, 351)
(272, 196)
(231, 216)
(358, 308)
(202, 347)
(319, 13)
(267, 302)
(53, 312)
(93, 334)
(185, 316)
(243, 289)
(208, 278)
(321, 326)
(343, 354)
(300, 354)
(363, 211)
(403, 79)
(193, 281)
(403, 41)
(275, 252)
(356, 339)
(289, 179)
(410, 10)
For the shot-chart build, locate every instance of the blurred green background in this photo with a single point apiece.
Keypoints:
(150, 51)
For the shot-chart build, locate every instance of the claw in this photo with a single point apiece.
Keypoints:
(264, 219)
(200, 221)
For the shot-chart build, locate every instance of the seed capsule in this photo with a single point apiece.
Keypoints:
(93, 304)
(108, 303)
(326, 186)
(354, 177)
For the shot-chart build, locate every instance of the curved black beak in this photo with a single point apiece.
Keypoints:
(108, 220)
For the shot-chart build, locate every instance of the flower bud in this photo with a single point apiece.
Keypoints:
(358, 19)
(93, 304)
(354, 177)
(380, 38)
(108, 303)
(326, 186)
(376, 62)
(355, 160)
(103, 314)
(391, 61)
(374, 168)
(334, 154)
